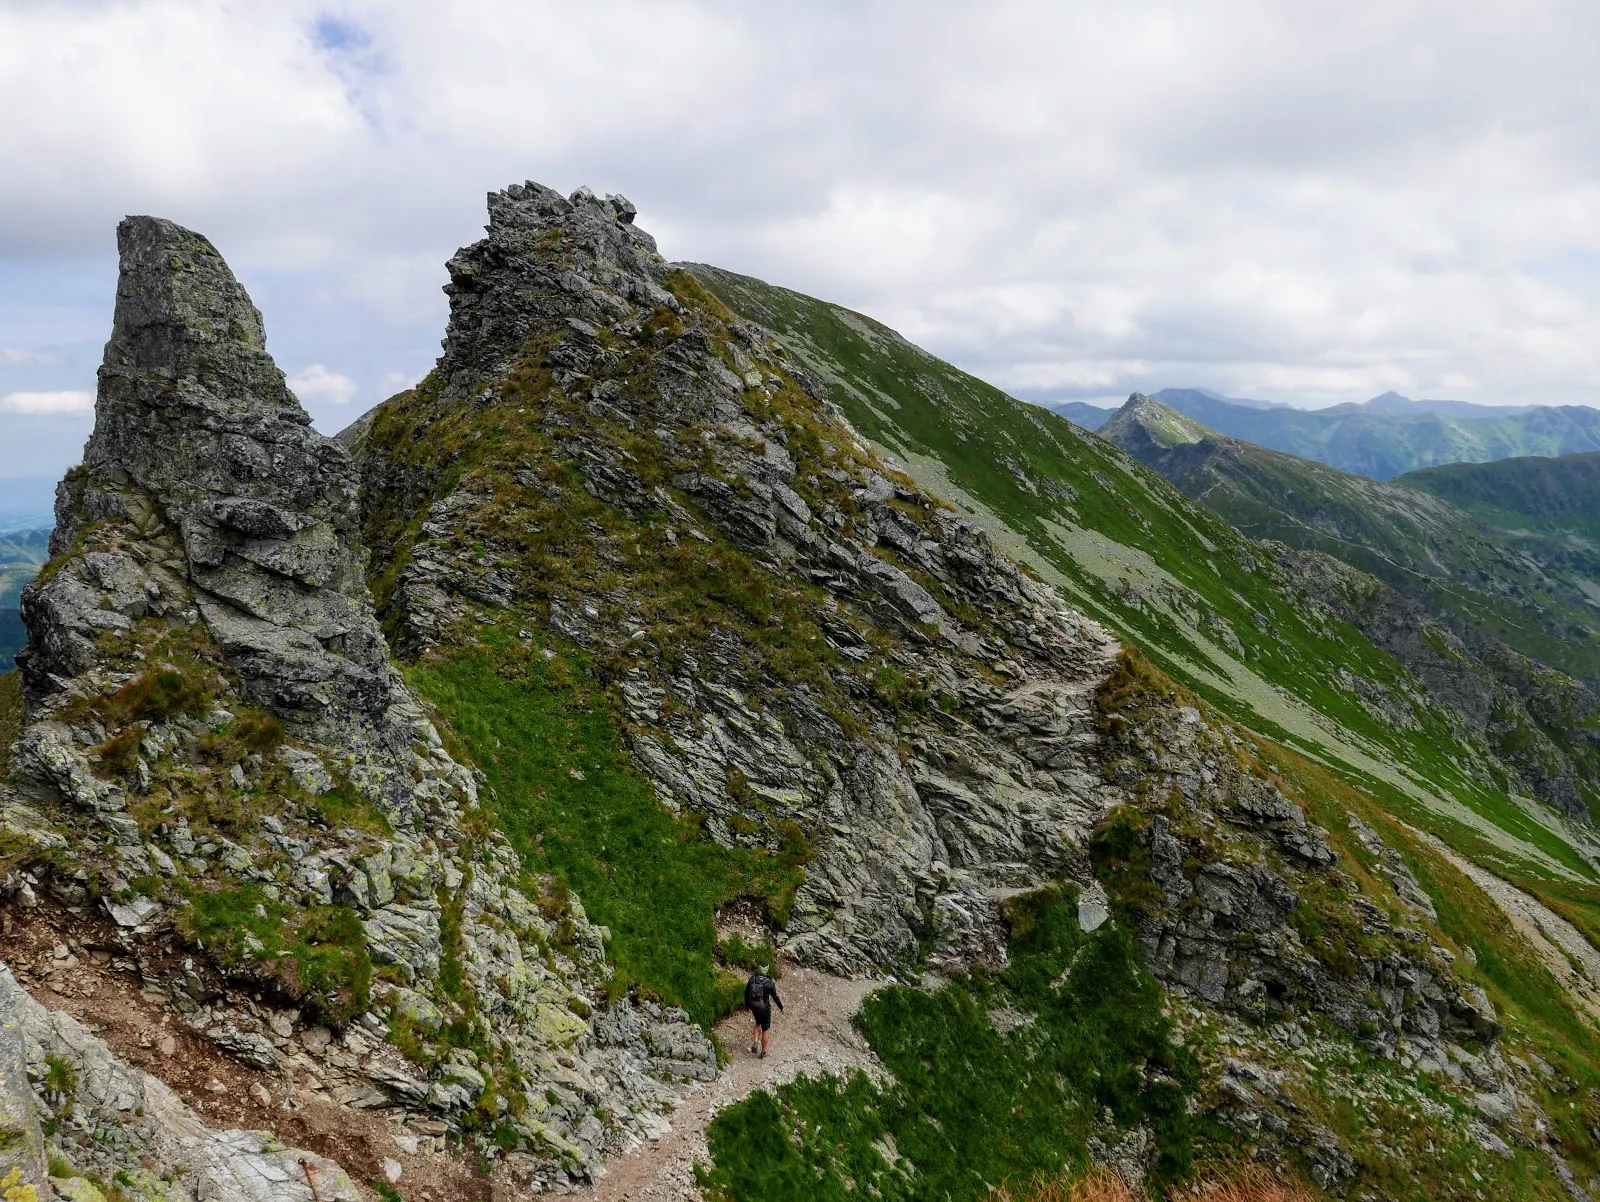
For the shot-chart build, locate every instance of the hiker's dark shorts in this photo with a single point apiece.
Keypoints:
(763, 1016)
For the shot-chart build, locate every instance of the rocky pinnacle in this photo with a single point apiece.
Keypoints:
(203, 459)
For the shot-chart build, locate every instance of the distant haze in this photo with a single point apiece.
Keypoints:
(1090, 414)
(1382, 438)
(1320, 202)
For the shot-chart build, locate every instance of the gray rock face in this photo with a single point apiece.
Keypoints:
(240, 510)
(1254, 914)
(921, 821)
(119, 1122)
(22, 1144)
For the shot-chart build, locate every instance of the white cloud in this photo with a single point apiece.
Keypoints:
(317, 383)
(1319, 201)
(16, 356)
(47, 402)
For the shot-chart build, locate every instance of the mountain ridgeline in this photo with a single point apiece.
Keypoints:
(1390, 435)
(1557, 496)
(444, 779)
(1497, 625)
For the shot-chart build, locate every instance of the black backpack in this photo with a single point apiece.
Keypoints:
(755, 990)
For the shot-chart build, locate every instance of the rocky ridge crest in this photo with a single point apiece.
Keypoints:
(665, 429)
(217, 754)
(694, 430)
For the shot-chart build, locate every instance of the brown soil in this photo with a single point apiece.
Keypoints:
(812, 1034)
(109, 1001)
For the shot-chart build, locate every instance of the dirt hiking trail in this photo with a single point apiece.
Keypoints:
(812, 1034)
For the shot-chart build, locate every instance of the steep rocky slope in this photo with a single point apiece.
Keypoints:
(810, 649)
(1202, 600)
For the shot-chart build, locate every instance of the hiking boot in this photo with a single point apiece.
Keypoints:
(753, 1048)
(763, 1054)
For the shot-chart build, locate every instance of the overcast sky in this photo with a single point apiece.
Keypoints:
(1311, 202)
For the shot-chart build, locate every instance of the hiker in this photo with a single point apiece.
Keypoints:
(759, 993)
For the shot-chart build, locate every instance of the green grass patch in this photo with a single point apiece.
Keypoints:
(975, 1104)
(316, 956)
(567, 798)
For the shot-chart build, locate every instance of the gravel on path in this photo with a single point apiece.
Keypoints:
(811, 1035)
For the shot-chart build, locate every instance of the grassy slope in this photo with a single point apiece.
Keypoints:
(1551, 495)
(1385, 445)
(1135, 553)
(567, 798)
(1528, 592)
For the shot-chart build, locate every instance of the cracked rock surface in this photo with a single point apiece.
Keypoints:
(212, 721)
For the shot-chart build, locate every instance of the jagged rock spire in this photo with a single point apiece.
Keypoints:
(204, 467)
(196, 428)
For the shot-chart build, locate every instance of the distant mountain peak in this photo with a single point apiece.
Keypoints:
(1144, 421)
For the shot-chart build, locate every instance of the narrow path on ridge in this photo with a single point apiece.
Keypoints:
(811, 1035)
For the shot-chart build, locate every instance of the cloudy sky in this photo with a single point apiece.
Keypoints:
(1311, 202)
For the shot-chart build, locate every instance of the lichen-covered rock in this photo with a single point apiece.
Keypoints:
(22, 1146)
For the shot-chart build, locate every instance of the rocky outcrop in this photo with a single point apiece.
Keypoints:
(125, 1125)
(941, 756)
(217, 744)
(1240, 901)
(204, 460)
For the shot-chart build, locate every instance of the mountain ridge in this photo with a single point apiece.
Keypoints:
(458, 769)
(1383, 445)
(1431, 552)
